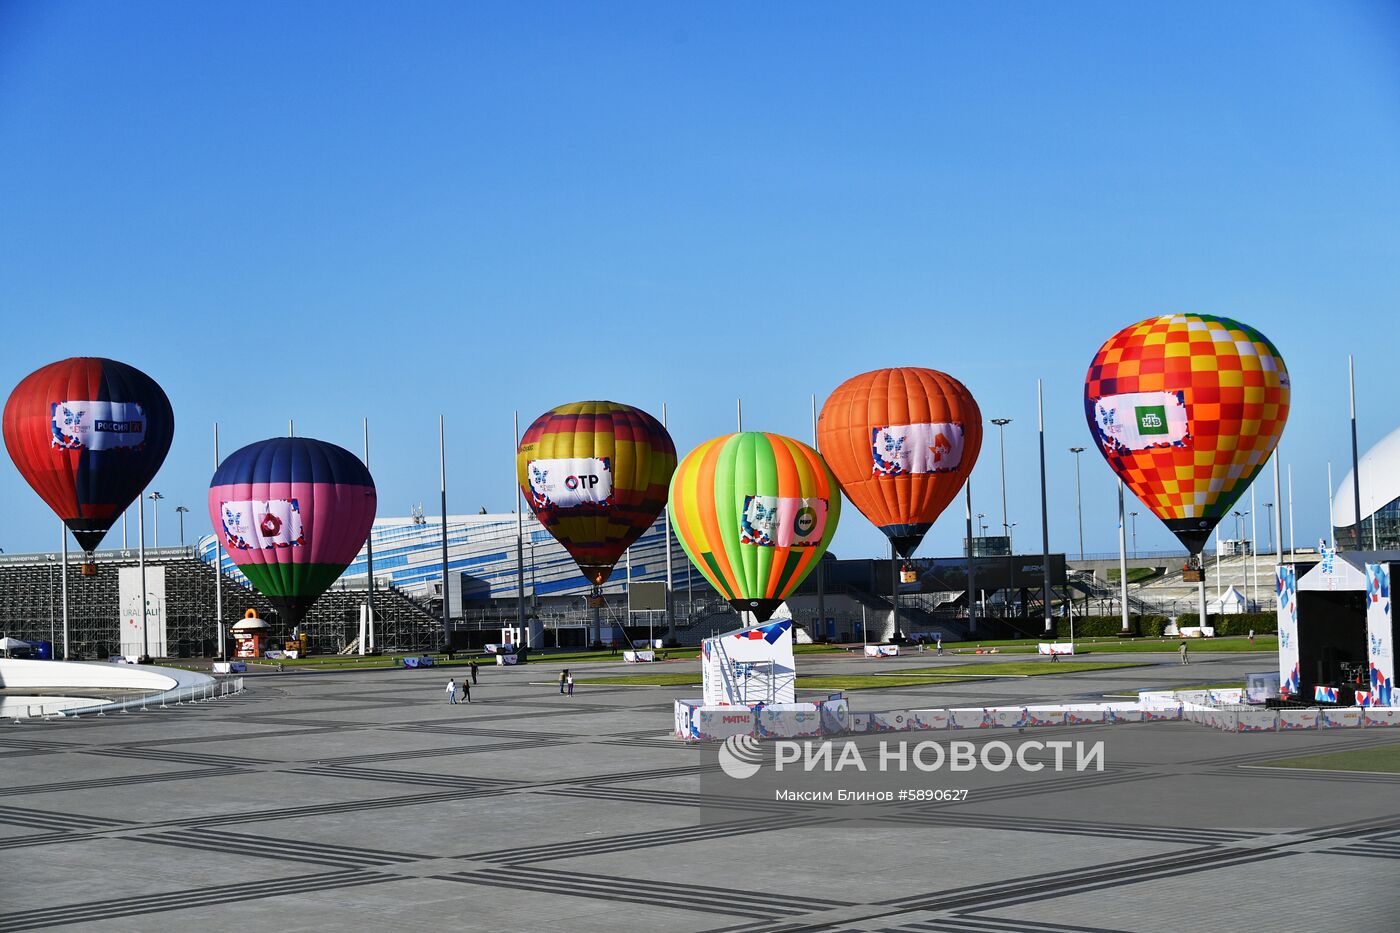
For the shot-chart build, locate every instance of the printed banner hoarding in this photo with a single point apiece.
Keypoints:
(132, 625)
(1286, 577)
(1380, 635)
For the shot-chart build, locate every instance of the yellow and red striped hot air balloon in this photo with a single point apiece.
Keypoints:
(1186, 409)
(755, 513)
(595, 475)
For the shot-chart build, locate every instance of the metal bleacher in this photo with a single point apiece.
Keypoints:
(31, 607)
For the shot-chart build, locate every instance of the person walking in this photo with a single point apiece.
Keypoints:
(451, 691)
(1183, 650)
(939, 644)
(466, 690)
(571, 684)
(1251, 638)
(472, 667)
(563, 676)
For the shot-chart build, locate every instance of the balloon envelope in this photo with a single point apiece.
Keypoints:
(1186, 409)
(755, 513)
(595, 475)
(88, 434)
(292, 513)
(901, 442)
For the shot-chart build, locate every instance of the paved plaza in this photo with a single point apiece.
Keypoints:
(364, 801)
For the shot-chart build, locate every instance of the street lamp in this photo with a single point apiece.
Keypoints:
(1133, 516)
(1078, 498)
(1011, 537)
(1001, 424)
(51, 559)
(981, 523)
(155, 497)
(1239, 531)
(181, 510)
(1270, 524)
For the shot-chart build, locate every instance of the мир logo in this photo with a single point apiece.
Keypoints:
(740, 756)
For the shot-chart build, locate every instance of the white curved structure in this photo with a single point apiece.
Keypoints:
(1380, 482)
(36, 688)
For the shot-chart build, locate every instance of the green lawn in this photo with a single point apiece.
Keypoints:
(825, 682)
(1384, 759)
(1136, 574)
(958, 673)
(1016, 668)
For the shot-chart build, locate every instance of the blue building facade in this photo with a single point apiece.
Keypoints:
(481, 560)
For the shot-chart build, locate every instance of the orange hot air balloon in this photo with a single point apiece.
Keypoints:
(901, 442)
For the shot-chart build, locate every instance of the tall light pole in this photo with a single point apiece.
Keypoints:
(1001, 424)
(155, 498)
(1133, 516)
(1078, 498)
(50, 562)
(1269, 506)
(180, 510)
(983, 524)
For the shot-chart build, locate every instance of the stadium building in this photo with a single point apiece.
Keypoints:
(483, 593)
(1379, 528)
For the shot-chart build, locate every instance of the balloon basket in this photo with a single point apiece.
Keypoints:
(88, 569)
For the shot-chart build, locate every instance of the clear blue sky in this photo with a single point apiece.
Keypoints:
(334, 210)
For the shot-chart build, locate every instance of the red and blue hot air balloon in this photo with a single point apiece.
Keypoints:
(292, 513)
(88, 434)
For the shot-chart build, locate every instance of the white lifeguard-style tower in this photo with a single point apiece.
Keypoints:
(749, 666)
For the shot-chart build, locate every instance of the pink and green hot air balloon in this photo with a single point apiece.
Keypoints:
(292, 512)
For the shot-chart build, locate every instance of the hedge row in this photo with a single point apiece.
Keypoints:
(1109, 626)
(1261, 623)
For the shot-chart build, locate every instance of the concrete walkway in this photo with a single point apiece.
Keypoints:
(364, 801)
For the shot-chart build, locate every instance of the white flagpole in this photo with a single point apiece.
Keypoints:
(666, 521)
(218, 566)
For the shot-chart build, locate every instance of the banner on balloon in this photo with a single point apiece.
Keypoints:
(782, 521)
(902, 449)
(569, 482)
(1380, 634)
(98, 425)
(1142, 420)
(252, 524)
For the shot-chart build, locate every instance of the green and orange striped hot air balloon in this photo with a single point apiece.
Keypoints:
(755, 513)
(595, 475)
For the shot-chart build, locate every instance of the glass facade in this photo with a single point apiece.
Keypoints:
(481, 559)
(1379, 531)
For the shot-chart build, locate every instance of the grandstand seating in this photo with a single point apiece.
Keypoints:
(30, 599)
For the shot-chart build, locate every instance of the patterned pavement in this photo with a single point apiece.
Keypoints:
(363, 800)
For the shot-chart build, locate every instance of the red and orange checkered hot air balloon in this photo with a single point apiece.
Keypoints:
(596, 475)
(1186, 409)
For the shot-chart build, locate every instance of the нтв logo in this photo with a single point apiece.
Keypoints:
(1152, 419)
(740, 756)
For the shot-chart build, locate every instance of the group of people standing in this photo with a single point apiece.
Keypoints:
(566, 685)
(466, 686)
